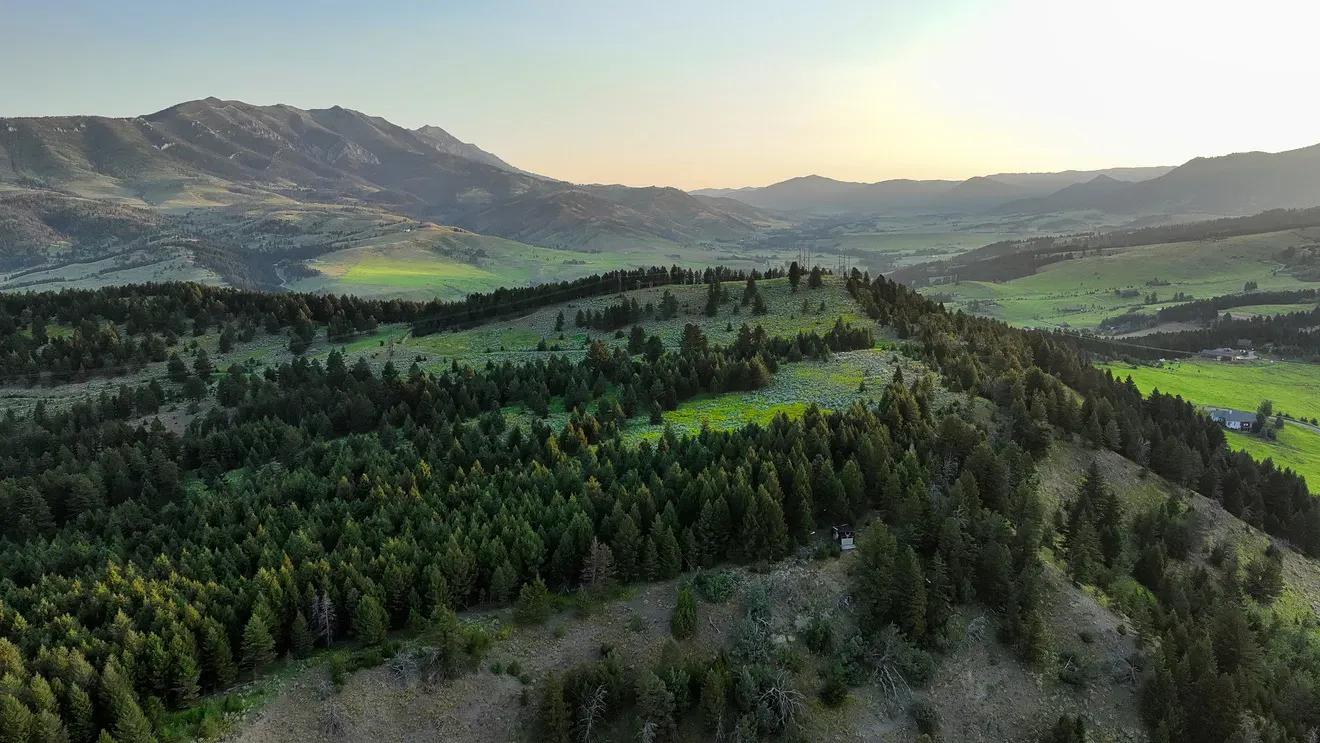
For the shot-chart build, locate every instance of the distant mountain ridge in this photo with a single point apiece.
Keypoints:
(819, 195)
(213, 152)
(1229, 185)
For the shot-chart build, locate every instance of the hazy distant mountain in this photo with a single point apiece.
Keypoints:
(1077, 196)
(819, 195)
(1231, 185)
(214, 153)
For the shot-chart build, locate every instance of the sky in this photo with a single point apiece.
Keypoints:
(712, 93)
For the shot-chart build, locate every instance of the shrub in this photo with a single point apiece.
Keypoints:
(717, 587)
(684, 622)
(926, 717)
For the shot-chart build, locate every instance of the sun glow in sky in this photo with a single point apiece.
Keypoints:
(697, 93)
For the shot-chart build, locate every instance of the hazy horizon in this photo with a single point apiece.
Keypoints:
(705, 97)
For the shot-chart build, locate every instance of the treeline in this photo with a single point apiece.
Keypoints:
(479, 308)
(1205, 311)
(1009, 259)
(1223, 666)
(1163, 432)
(121, 328)
(1292, 334)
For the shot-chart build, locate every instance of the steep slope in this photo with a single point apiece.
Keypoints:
(446, 142)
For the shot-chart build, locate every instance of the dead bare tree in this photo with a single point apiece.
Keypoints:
(649, 731)
(784, 701)
(593, 710)
(598, 567)
(886, 669)
(323, 618)
(333, 723)
(403, 667)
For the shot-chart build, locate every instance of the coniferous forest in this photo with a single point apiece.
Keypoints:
(320, 503)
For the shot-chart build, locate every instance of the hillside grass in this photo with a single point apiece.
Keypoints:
(1296, 448)
(445, 263)
(1268, 310)
(1080, 292)
(1293, 386)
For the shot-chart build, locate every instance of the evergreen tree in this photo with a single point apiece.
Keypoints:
(556, 720)
(370, 622)
(258, 646)
(655, 705)
(713, 699)
(300, 636)
(909, 598)
(684, 621)
(534, 602)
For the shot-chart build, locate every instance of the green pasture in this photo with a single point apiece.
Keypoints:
(1081, 292)
(1268, 310)
(1293, 386)
(1296, 448)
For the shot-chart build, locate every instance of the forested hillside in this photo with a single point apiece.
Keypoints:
(318, 502)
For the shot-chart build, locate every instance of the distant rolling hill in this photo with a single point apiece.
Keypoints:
(226, 171)
(1231, 185)
(819, 195)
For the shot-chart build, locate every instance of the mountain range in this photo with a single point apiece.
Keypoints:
(213, 152)
(225, 190)
(1230, 185)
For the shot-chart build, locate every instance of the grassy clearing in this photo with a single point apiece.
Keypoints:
(518, 338)
(1297, 449)
(1080, 293)
(1293, 386)
(446, 262)
(1268, 310)
(831, 385)
(903, 248)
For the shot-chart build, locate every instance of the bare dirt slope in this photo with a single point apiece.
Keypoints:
(982, 691)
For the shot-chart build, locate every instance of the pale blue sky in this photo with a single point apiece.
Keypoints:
(693, 93)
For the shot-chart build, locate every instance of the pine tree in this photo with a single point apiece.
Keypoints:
(79, 715)
(258, 646)
(684, 621)
(873, 576)
(370, 622)
(774, 529)
(655, 704)
(626, 547)
(909, 597)
(598, 568)
(300, 636)
(46, 728)
(15, 719)
(669, 557)
(939, 597)
(713, 699)
(534, 602)
(556, 721)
